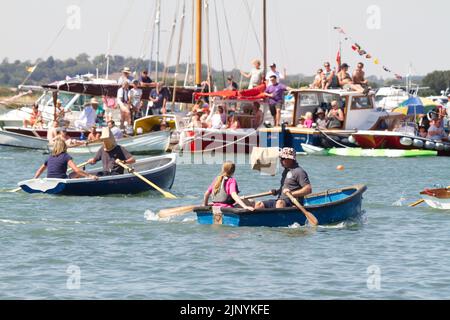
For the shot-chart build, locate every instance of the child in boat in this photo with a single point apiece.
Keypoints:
(309, 120)
(56, 165)
(224, 190)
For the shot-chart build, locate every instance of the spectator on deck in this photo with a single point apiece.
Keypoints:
(125, 77)
(255, 75)
(346, 81)
(274, 72)
(88, 116)
(118, 134)
(123, 101)
(135, 98)
(231, 84)
(35, 120)
(331, 77)
(275, 93)
(320, 80)
(159, 98)
(145, 80)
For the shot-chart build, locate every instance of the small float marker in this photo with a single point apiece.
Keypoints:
(340, 168)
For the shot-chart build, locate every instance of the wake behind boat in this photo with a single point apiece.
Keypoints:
(330, 207)
(160, 170)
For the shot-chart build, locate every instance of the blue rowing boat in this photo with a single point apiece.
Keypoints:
(159, 170)
(330, 207)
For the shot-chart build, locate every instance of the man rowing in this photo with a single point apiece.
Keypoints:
(294, 180)
(109, 153)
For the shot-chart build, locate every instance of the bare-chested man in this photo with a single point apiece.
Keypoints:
(346, 82)
(359, 76)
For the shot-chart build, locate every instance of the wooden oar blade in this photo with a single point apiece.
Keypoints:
(174, 212)
(415, 204)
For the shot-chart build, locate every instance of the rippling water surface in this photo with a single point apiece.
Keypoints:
(120, 251)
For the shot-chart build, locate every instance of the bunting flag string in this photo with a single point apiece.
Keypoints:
(364, 53)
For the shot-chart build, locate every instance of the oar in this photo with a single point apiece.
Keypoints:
(415, 204)
(174, 212)
(70, 170)
(166, 194)
(311, 218)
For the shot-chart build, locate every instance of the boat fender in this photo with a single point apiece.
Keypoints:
(430, 145)
(406, 141)
(439, 146)
(446, 147)
(418, 143)
(352, 140)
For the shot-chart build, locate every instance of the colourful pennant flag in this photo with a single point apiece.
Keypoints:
(376, 61)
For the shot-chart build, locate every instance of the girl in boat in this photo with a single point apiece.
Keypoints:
(58, 162)
(224, 190)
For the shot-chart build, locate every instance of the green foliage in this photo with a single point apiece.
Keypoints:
(437, 81)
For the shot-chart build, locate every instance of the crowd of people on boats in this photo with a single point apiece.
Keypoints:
(327, 78)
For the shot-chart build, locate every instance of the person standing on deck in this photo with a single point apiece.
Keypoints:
(224, 190)
(125, 77)
(159, 98)
(109, 153)
(135, 98)
(294, 180)
(88, 116)
(255, 75)
(146, 82)
(275, 93)
(231, 84)
(56, 165)
(123, 101)
(274, 72)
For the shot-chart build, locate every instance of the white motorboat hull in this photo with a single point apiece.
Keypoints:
(11, 139)
(441, 204)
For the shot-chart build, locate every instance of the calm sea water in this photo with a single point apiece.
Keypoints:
(114, 248)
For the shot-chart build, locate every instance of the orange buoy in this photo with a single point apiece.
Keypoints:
(340, 168)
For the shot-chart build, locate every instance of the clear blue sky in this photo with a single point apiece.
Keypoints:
(300, 32)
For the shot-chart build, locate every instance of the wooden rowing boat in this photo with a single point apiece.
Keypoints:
(330, 207)
(437, 198)
(160, 170)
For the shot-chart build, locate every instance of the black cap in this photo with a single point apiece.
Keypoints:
(344, 65)
(273, 65)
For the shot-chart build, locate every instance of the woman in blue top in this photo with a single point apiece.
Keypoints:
(58, 162)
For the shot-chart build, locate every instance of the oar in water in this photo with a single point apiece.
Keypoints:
(174, 212)
(311, 218)
(166, 194)
(415, 204)
(70, 170)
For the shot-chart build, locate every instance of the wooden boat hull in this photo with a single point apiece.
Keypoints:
(41, 133)
(147, 143)
(330, 208)
(226, 141)
(437, 198)
(160, 170)
(11, 139)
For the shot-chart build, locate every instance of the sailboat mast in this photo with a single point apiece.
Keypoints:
(198, 67)
(265, 37)
(158, 37)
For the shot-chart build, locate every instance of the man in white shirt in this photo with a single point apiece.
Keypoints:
(273, 72)
(117, 133)
(126, 76)
(89, 115)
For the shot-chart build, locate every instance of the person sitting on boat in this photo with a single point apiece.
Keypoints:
(436, 132)
(60, 114)
(231, 84)
(135, 98)
(159, 97)
(195, 121)
(56, 165)
(52, 132)
(88, 116)
(332, 81)
(70, 142)
(320, 80)
(219, 119)
(224, 190)
(109, 153)
(423, 133)
(35, 120)
(125, 77)
(255, 75)
(117, 133)
(146, 81)
(335, 116)
(321, 120)
(258, 114)
(93, 136)
(123, 101)
(233, 122)
(205, 116)
(359, 78)
(301, 122)
(346, 81)
(294, 180)
(275, 93)
(309, 120)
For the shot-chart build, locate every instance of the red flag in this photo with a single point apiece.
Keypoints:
(338, 60)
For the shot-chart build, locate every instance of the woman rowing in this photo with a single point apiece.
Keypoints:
(58, 162)
(224, 190)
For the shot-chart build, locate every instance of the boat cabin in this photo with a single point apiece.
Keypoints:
(360, 111)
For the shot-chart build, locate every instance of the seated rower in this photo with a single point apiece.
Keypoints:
(109, 153)
(56, 165)
(224, 190)
(294, 180)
